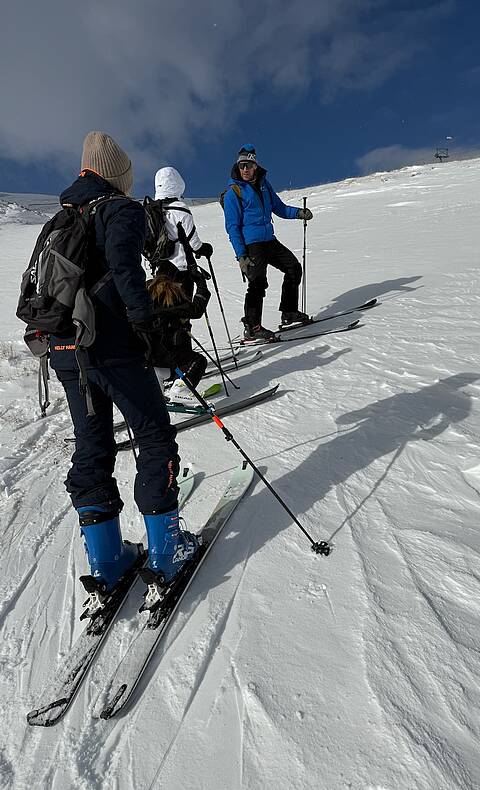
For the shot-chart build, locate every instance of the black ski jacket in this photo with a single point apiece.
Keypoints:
(174, 324)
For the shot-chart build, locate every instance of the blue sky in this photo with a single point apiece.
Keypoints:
(325, 90)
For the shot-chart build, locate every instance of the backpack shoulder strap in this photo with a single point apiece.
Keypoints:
(237, 191)
(177, 208)
(87, 209)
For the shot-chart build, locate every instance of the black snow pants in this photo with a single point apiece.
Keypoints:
(271, 253)
(134, 389)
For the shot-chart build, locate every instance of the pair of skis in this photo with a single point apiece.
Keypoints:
(62, 688)
(340, 323)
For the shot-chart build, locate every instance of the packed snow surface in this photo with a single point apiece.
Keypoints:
(283, 669)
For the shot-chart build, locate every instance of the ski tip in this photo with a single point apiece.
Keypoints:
(48, 715)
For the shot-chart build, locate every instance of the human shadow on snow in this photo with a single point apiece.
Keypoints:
(378, 429)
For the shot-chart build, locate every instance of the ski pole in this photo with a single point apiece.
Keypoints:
(131, 439)
(214, 280)
(216, 354)
(304, 266)
(318, 547)
(202, 348)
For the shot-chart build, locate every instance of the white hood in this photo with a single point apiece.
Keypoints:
(168, 184)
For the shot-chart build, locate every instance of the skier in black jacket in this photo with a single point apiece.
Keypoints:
(117, 374)
(172, 345)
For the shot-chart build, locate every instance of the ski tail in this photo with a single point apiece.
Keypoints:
(64, 684)
(131, 668)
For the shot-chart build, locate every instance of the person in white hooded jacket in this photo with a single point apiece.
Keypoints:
(169, 187)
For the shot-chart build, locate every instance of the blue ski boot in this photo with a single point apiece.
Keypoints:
(108, 556)
(169, 549)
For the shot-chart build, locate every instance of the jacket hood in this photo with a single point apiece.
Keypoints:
(235, 175)
(87, 187)
(168, 184)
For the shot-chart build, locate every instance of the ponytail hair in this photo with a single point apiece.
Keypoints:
(165, 292)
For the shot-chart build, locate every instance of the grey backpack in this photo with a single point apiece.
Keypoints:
(53, 298)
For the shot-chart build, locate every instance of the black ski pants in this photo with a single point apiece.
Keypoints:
(271, 253)
(134, 389)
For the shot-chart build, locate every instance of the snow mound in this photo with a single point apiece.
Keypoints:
(25, 209)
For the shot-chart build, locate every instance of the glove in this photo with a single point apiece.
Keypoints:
(205, 251)
(200, 275)
(196, 272)
(304, 213)
(246, 265)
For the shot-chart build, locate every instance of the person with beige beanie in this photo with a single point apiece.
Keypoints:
(117, 373)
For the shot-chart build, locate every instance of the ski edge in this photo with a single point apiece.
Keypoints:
(244, 475)
(222, 411)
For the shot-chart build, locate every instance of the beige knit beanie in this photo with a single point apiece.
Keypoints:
(102, 154)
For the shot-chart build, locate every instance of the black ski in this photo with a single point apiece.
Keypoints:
(153, 624)
(221, 411)
(340, 320)
(345, 328)
(61, 689)
(341, 325)
(365, 306)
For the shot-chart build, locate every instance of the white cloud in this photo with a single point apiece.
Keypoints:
(160, 75)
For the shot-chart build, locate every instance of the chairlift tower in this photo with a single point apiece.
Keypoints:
(441, 154)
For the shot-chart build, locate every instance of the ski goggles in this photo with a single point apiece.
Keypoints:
(246, 165)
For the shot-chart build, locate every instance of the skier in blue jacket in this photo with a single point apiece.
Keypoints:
(249, 203)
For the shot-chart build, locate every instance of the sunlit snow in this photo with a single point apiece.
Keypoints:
(283, 670)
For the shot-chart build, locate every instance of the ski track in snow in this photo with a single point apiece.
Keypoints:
(282, 669)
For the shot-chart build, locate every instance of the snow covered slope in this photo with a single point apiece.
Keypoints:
(360, 670)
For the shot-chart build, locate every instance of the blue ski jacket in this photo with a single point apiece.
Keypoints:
(248, 219)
